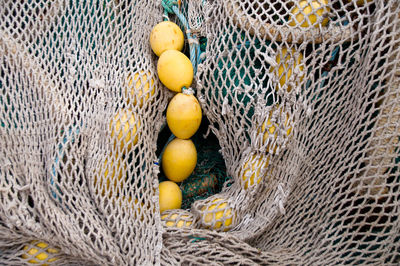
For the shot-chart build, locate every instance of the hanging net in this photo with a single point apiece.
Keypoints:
(299, 163)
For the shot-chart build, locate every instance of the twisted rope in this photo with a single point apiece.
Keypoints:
(171, 7)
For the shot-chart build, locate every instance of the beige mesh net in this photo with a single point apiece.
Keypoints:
(303, 96)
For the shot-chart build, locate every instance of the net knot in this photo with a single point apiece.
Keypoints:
(168, 4)
(192, 40)
(187, 91)
(279, 198)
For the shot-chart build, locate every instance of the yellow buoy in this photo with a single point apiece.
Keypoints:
(315, 11)
(283, 58)
(253, 169)
(170, 196)
(166, 35)
(124, 127)
(179, 159)
(175, 70)
(218, 215)
(39, 252)
(138, 92)
(177, 219)
(184, 115)
(269, 128)
(111, 172)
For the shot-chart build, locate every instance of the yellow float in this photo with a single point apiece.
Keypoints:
(179, 159)
(184, 115)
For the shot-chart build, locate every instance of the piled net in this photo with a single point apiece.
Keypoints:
(307, 118)
(70, 175)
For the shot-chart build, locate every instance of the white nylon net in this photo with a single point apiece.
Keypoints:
(306, 108)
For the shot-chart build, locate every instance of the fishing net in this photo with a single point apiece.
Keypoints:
(303, 99)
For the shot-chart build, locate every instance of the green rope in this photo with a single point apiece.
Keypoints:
(171, 7)
(168, 4)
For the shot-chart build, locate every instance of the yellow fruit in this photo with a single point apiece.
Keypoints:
(317, 8)
(284, 70)
(166, 36)
(223, 217)
(179, 159)
(175, 70)
(135, 84)
(184, 115)
(170, 196)
(253, 167)
(270, 128)
(39, 253)
(110, 172)
(123, 128)
(176, 220)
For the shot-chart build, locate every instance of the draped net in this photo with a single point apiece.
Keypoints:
(313, 111)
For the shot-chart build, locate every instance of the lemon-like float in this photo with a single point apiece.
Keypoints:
(175, 70)
(177, 219)
(217, 215)
(184, 115)
(166, 35)
(179, 159)
(40, 253)
(170, 196)
(254, 168)
(136, 92)
(287, 62)
(308, 13)
(124, 127)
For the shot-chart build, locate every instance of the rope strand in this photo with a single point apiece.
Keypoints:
(171, 7)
